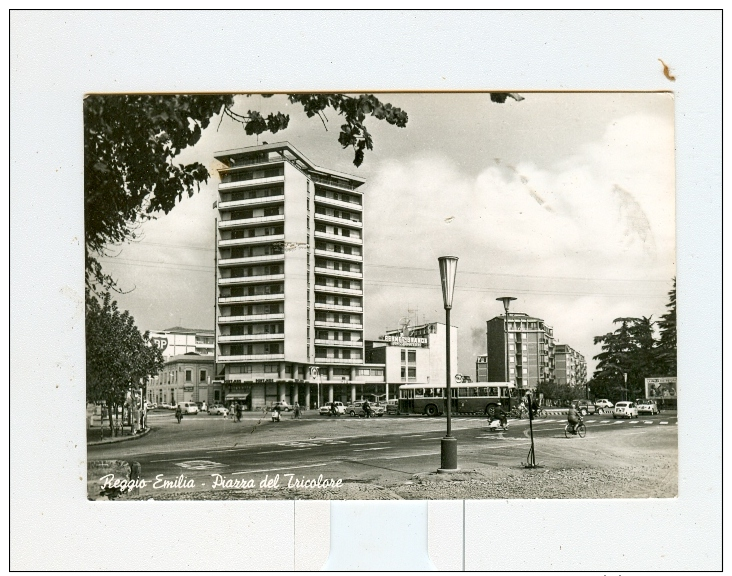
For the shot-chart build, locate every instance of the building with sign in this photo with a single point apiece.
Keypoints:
(414, 355)
(177, 341)
(289, 275)
(185, 378)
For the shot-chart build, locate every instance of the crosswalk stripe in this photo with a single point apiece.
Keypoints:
(663, 422)
(634, 422)
(647, 422)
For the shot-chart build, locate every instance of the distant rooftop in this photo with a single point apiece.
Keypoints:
(181, 330)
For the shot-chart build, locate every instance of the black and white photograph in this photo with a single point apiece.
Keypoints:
(380, 296)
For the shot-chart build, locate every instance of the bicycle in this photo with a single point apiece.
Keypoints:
(517, 413)
(577, 430)
(540, 413)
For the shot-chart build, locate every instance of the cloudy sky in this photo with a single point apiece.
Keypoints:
(564, 201)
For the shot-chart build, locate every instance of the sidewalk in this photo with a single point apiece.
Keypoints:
(95, 433)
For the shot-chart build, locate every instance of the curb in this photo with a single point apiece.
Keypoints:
(120, 439)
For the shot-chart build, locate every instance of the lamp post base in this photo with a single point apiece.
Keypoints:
(448, 455)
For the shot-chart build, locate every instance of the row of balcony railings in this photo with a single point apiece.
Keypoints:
(251, 175)
(338, 215)
(258, 194)
(346, 198)
(318, 179)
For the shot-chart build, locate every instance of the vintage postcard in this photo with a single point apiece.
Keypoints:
(380, 296)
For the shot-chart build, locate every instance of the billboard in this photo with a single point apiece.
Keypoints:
(661, 388)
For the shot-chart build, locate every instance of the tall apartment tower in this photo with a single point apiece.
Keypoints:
(289, 273)
(571, 367)
(530, 350)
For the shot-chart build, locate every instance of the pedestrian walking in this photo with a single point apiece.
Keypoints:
(238, 412)
(296, 411)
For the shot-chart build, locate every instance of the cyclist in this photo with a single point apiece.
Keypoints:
(573, 417)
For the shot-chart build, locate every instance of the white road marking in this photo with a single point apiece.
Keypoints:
(413, 436)
(425, 439)
(284, 468)
(405, 456)
(280, 451)
(370, 443)
(634, 422)
(199, 464)
(663, 422)
(619, 422)
(647, 422)
(367, 449)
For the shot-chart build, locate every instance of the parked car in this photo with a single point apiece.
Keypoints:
(353, 408)
(603, 403)
(648, 406)
(625, 410)
(283, 406)
(326, 409)
(188, 407)
(585, 407)
(392, 407)
(218, 410)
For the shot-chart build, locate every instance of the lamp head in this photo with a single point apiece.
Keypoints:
(506, 301)
(448, 270)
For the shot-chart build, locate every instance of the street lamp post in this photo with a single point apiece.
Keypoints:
(506, 302)
(448, 446)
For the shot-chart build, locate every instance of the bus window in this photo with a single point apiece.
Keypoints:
(493, 391)
(473, 391)
(454, 392)
(504, 392)
(428, 392)
(482, 391)
(438, 392)
(418, 392)
(512, 392)
(462, 392)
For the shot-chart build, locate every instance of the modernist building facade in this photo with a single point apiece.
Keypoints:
(414, 355)
(570, 366)
(185, 378)
(177, 341)
(289, 275)
(530, 351)
(534, 355)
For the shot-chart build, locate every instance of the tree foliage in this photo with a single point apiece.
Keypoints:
(117, 354)
(633, 349)
(666, 346)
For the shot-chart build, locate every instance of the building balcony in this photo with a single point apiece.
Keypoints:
(255, 298)
(339, 255)
(250, 338)
(227, 224)
(336, 290)
(263, 239)
(319, 360)
(248, 163)
(331, 182)
(350, 206)
(251, 279)
(338, 308)
(250, 358)
(231, 204)
(338, 273)
(338, 238)
(340, 343)
(250, 318)
(252, 182)
(340, 221)
(337, 325)
(251, 259)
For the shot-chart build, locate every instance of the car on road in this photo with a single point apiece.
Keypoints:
(282, 406)
(647, 406)
(625, 410)
(327, 409)
(603, 403)
(188, 407)
(218, 410)
(585, 407)
(392, 407)
(356, 409)
(150, 405)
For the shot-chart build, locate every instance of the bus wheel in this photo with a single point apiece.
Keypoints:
(431, 410)
(491, 410)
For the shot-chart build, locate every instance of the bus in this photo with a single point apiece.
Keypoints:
(467, 397)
